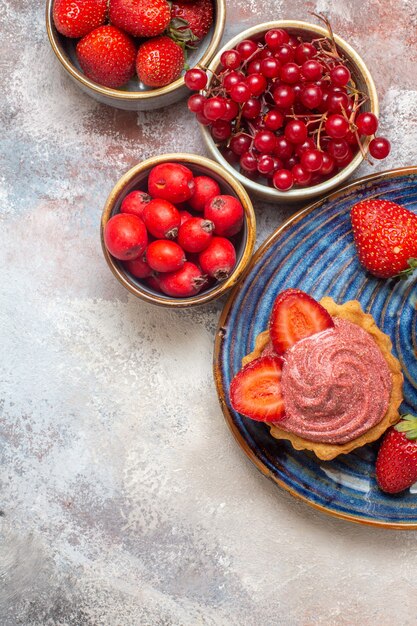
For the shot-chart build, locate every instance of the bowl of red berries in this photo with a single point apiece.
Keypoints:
(289, 108)
(131, 54)
(178, 230)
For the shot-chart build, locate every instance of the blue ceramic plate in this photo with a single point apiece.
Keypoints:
(314, 251)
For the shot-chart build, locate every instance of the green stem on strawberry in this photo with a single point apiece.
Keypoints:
(408, 426)
(412, 265)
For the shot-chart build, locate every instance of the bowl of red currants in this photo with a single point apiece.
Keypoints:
(288, 108)
(132, 54)
(178, 230)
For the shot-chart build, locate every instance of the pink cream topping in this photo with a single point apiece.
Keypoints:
(336, 385)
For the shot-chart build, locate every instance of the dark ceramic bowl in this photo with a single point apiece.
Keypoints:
(135, 96)
(136, 178)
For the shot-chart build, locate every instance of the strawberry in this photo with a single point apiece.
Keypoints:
(385, 235)
(160, 61)
(256, 390)
(396, 463)
(76, 18)
(141, 18)
(191, 22)
(296, 315)
(107, 56)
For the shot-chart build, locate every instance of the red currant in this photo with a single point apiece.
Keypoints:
(340, 75)
(379, 148)
(265, 141)
(301, 175)
(196, 102)
(251, 109)
(283, 96)
(257, 84)
(283, 180)
(312, 70)
(195, 79)
(274, 119)
(231, 59)
(296, 131)
(337, 126)
(246, 48)
(275, 38)
(240, 92)
(270, 68)
(290, 73)
(367, 123)
(311, 96)
(214, 108)
(312, 160)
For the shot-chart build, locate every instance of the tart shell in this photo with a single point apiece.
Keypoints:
(352, 312)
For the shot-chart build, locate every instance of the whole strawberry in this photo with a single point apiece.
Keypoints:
(141, 18)
(191, 22)
(396, 463)
(385, 235)
(107, 56)
(76, 18)
(160, 61)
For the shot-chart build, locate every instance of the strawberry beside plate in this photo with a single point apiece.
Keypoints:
(314, 251)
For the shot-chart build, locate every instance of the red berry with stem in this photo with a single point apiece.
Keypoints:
(265, 141)
(240, 143)
(311, 96)
(135, 202)
(205, 189)
(270, 67)
(284, 96)
(301, 175)
(139, 268)
(257, 84)
(296, 131)
(283, 148)
(283, 180)
(251, 109)
(221, 130)
(265, 164)
(246, 48)
(346, 159)
(171, 181)
(232, 110)
(214, 108)
(248, 162)
(274, 119)
(285, 54)
(162, 219)
(240, 92)
(328, 164)
(125, 236)
(195, 79)
(231, 59)
(196, 103)
(338, 148)
(366, 123)
(312, 70)
(340, 75)
(379, 148)
(196, 234)
(275, 38)
(337, 101)
(201, 119)
(312, 160)
(290, 73)
(183, 283)
(254, 67)
(163, 255)
(226, 212)
(218, 259)
(308, 144)
(337, 126)
(304, 52)
(231, 79)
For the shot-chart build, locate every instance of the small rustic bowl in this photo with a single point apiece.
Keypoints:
(135, 96)
(360, 75)
(136, 178)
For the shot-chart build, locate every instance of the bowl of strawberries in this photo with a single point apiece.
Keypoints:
(177, 230)
(290, 108)
(132, 54)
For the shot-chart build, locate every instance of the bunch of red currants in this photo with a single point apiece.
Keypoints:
(180, 235)
(285, 109)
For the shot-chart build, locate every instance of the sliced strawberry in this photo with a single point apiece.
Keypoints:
(296, 315)
(256, 390)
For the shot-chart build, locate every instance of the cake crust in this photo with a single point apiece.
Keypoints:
(352, 312)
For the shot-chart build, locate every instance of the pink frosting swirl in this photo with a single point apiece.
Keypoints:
(336, 385)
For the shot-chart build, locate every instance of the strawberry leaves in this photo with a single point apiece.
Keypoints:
(408, 426)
